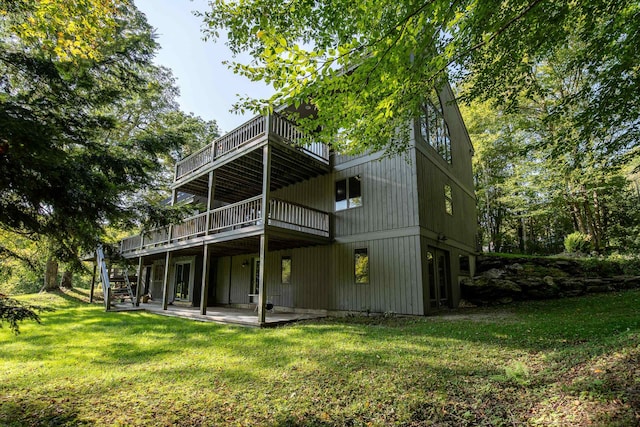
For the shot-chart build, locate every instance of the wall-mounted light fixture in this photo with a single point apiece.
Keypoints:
(441, 237)
(245, 263)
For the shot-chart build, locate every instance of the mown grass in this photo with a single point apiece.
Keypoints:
(563, 362)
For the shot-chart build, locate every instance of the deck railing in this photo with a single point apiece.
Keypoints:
(290, 133)
(247, 133)
(130, 243)
(194, 226)
(246, 212)
(241, 135)
(195, 161)
(233, 217)
(300, 218)
(157, 236)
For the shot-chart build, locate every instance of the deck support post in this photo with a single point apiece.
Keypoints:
(174, 199)
(264, 238)
(205, 280)
(212, 185)
(93, 281)
(138, 281)
(262, 295)
(165, 282)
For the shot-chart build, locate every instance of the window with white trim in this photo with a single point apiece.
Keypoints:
(348, 193)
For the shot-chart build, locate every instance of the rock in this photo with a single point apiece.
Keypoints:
(515, 267)
(570, 284)
(493, 273)
(598, 289)
(539, 288)
(504, 285)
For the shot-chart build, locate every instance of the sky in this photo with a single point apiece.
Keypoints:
(207, 87)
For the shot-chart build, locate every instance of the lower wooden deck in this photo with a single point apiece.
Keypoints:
(223, 315)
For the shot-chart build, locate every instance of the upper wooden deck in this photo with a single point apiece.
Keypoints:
(300, 148)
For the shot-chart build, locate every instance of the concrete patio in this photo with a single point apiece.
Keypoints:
(225, 315)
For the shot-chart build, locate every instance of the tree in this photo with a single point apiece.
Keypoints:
(13, 311)
(366, 66)
(538, 178)
(81, 145)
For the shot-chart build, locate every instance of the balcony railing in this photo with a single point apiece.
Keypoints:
(299, 218)
(194, 226)
(292, 135)
(246, 133)
(241, 214)
(234, 217)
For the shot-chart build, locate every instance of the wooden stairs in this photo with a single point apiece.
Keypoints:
(121, 289)
(116, 283)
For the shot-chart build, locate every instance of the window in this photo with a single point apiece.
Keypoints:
(361, 262)
(448, 200)
(464, 265)
(433, 128)
(348, 193)
(285, 269)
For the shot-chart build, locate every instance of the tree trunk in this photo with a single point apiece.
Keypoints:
(67, 277)
(51, 275)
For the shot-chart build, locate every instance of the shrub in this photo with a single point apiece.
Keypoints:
(577, 242)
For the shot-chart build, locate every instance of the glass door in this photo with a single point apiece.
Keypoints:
(183, 271)
(439, 277)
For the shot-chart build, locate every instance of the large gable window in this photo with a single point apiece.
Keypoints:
(348, 193)
(433, 128)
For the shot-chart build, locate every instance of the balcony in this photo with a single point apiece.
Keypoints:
(231, 222)
(261, 128)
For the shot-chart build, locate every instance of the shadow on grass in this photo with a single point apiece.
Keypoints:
(39, 413)
(450, 364)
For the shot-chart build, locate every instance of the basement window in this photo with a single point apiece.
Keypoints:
(348, 193)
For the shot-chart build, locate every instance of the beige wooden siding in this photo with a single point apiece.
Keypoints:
(461, 225)
(343, 158)
(316, 193)
(310, 275)
(395, 284)
(222, 280)
(389, 197)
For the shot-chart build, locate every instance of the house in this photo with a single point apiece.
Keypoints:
(287, 224)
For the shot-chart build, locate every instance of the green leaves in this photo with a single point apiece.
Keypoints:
(85, 138)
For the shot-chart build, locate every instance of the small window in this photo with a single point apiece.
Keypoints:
(361, 265)
(464, 265)
(285, 269)
(348, 193)
(448, 200)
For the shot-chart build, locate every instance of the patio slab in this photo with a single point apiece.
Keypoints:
(225, 315)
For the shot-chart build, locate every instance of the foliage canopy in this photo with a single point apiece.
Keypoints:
(89, 122)
(366, 65)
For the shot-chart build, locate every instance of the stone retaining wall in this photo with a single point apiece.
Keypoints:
(503, 280)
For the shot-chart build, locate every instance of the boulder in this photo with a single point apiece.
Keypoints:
(493, 273)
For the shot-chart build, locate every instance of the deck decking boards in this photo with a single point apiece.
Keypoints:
(223, 315)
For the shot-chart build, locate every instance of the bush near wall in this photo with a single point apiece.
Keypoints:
(501, 280)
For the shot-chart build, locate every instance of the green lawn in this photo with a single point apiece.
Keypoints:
(563, 362)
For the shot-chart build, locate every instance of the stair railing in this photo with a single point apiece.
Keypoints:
(104, 277)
